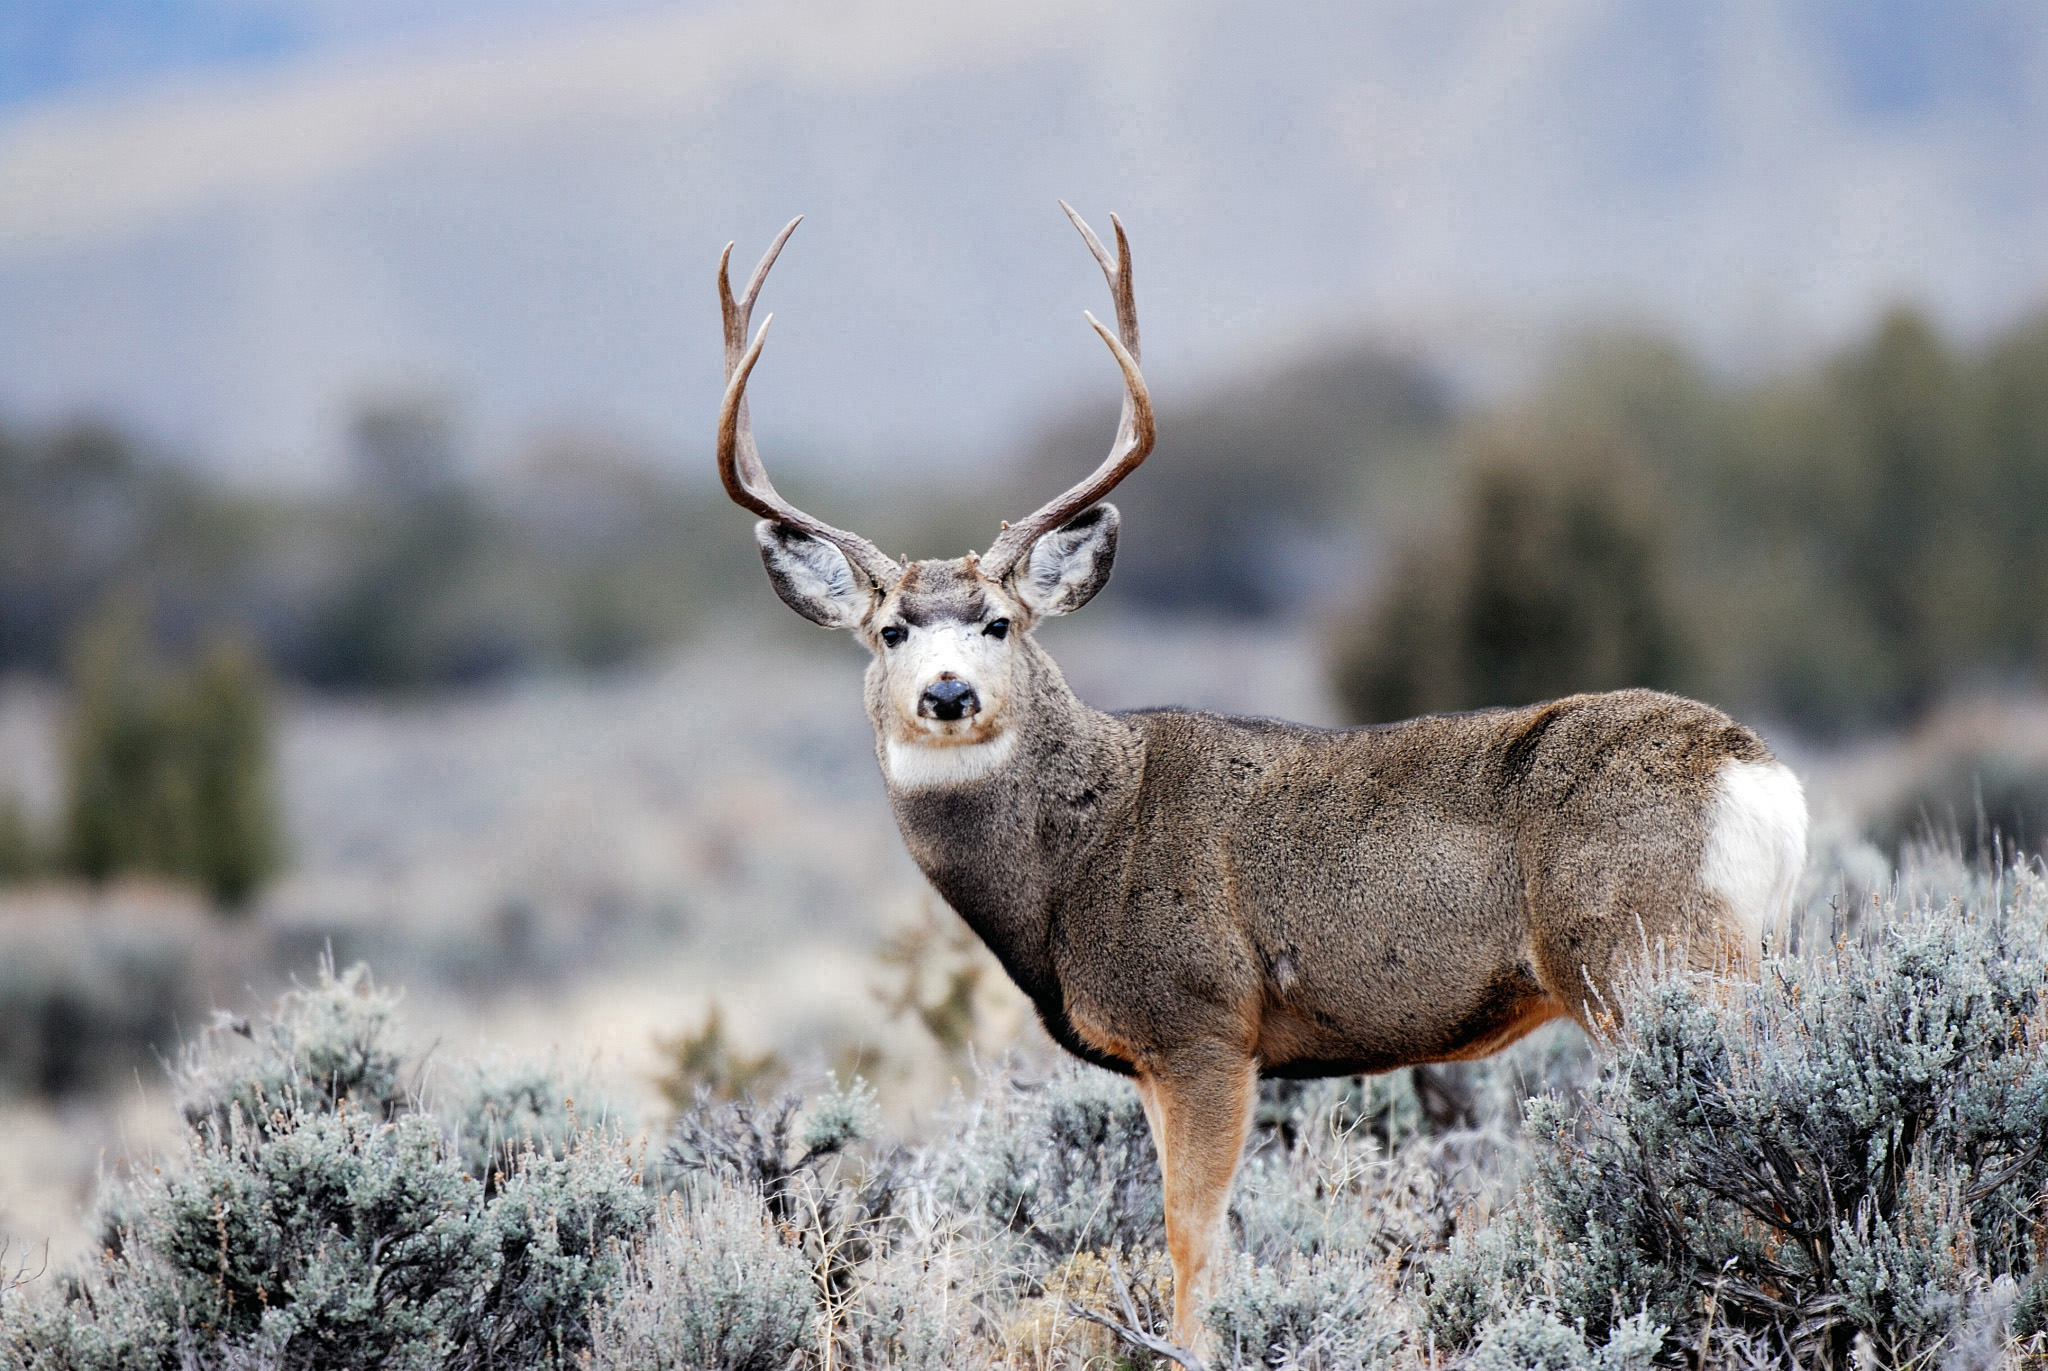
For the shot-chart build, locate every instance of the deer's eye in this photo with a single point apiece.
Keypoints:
(998, 628)
(893, 636)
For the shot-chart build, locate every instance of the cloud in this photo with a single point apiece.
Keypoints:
(530, 217)
(77, 173)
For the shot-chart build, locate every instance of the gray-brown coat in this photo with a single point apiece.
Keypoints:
(1195, 900)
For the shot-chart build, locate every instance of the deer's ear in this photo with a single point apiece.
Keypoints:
(812, 576)
(1068, 565)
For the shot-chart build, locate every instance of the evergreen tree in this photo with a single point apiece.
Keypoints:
(20, 854)
(1551, 583)
(226, 726)
(169, 771)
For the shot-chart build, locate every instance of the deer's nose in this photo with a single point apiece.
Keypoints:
(948, 698)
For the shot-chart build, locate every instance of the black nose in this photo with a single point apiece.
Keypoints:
(948, 699)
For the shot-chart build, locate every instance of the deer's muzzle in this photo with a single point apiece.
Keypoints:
(948, 698)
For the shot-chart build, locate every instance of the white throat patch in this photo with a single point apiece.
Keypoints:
(921, 766)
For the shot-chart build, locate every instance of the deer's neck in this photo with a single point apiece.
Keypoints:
(1007, 844)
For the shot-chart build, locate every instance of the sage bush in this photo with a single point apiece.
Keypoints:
(1842, 1158)
(1836, 1162)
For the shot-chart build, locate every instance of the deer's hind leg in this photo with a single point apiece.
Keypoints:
(1199, 1103)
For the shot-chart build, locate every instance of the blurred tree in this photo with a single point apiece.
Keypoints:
(223, 715)
(2013, 491)
(1552, 582)
(706, 1061)
(1906, 523)
(21, 854)
(169, 772)
(1854, 539)
(1246, 470)
(121, 809)
(404, 447)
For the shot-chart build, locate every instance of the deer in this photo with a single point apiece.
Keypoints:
(1197, 901)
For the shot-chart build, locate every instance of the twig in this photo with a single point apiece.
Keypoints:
(1131, 1332)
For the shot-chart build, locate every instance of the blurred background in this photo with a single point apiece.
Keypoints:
(366, 590)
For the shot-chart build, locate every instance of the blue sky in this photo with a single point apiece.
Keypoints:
(52, 49)
(1895, 57)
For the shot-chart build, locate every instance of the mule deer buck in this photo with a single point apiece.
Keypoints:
(1196, 901)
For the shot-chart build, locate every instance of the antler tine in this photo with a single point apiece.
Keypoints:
(1136, 429)
(739, 459)
(1117, 271)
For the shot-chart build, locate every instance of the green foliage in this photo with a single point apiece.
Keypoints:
(501, 1110)
(1069, 1166)
(706, 1061)
(319, 1217)
(1316, 1313)
(1537, 1340)
(21, 847)
(1838, 545)
(327, 1046)
(1837, 1163)
(224, 717)
(169, 772)
(1552, 583)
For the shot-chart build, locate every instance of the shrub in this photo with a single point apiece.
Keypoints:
(1849, 1148)
(1536, 1339)
(324, 1046)
(500, 1110)
(1838, 1162)
(1067, 1165)
(716, 1287)
(318, 1217)
(706, 1060)
(85, 1002)
(1328, 1312)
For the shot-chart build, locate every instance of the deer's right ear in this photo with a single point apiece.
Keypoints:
(812, 576)
(1067, 566)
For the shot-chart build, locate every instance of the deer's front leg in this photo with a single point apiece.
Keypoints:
(1200, 1107)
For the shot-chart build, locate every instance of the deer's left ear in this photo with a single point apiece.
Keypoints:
(1068, 565)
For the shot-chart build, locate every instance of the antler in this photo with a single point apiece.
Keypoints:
(739, 460)
(1135, 429)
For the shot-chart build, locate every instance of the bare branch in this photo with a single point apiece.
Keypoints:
(1132, 1329)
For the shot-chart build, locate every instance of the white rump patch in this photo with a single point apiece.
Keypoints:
(1756, 845)
(920, 766)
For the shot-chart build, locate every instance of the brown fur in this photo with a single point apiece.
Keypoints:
(1195, 900)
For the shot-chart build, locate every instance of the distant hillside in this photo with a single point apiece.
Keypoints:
(233, 261)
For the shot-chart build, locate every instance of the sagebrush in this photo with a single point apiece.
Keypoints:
(1838, 1162)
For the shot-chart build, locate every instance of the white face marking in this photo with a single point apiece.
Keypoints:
(936, 651)
(1756, 844)
(921, 766)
